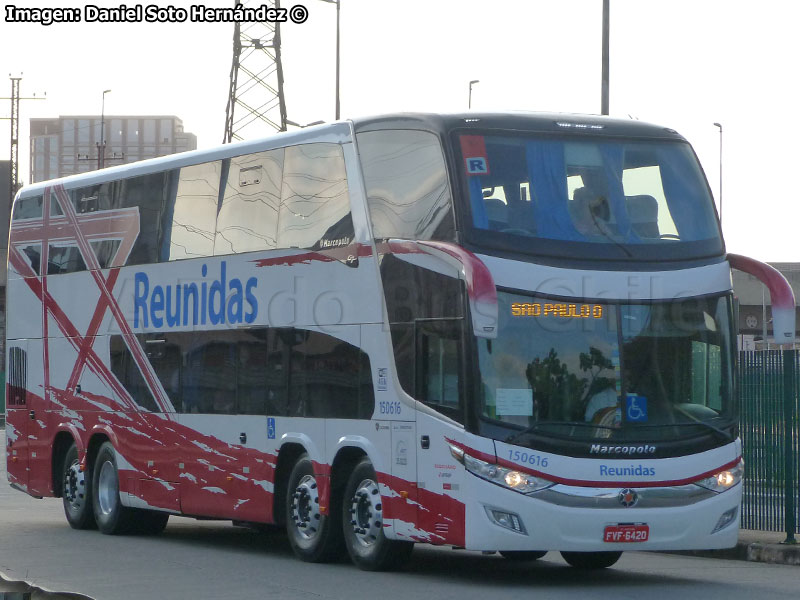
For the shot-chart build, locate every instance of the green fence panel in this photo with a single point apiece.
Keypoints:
(763, 432)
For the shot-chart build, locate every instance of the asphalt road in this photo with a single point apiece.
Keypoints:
(200, 560)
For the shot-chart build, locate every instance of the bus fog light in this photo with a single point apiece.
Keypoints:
(505, 519)
(728, 517)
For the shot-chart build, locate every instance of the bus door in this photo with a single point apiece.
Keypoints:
(440, 385)
(17, 415)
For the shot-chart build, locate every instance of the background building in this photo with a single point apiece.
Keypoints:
(70, 144)
(755, 310)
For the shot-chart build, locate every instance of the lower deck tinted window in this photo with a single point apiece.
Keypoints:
(130, 376)
(259, 371)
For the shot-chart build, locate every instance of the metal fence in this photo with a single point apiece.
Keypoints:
(770, 433)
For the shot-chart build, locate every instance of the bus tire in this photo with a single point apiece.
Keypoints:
(112, 517)
(151, 522)
(522, 555)
(591, 560)
(362, 520)
(76, 492)
(313, 536)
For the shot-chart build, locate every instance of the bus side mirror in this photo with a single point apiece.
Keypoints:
(780, 293)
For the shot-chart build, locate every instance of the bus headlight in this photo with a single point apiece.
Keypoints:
(724, 480)
(502, 476)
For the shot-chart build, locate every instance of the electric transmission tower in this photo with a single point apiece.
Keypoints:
(14, 118)
(256, 105)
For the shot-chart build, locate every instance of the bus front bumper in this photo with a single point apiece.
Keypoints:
(583, 519)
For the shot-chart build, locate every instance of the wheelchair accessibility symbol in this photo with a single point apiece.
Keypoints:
(271, 428)
(635, 408)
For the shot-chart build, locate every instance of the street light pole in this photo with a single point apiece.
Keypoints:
(720, 170)
(338, 12)
(471, 83)
(101, 146)
(604, 84)
(338, 4)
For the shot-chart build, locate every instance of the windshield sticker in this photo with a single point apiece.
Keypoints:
(473, 148)
(636, 408)
(383, 379)
(514, 402)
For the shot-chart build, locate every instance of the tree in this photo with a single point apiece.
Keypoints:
(562, 395)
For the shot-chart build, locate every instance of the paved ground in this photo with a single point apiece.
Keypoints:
(200, 560)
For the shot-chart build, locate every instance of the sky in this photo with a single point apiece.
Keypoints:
(684, 64)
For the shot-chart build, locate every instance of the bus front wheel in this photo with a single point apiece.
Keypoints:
(76, 492)
(313, 536)
(591, 560)
(112, 517)
(362, 515)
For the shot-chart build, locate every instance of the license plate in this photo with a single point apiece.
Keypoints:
(629, 532)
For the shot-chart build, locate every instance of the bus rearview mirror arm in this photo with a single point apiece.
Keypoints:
(780, 293)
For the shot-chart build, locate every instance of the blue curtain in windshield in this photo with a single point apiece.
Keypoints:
(548, 177)
(688, 202)
(479, 218)
(612, 166)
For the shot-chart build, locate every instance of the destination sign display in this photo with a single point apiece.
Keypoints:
(557, 309)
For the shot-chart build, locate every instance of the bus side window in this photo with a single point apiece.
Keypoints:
(209, 375)
(147, 194)
(315, 203)
(326, 379)
(438, 377)
(194, 213)
(408, 195)
(248, 213)
(28, 208)
(129, 375)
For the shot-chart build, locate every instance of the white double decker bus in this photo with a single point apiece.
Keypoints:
(497, 332)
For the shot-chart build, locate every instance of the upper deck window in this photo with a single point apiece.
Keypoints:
(407, 191)
(588, 197)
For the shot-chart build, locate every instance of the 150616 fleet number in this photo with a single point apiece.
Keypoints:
(534, 460)
(389, 408)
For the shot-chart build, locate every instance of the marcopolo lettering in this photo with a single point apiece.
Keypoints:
(213, 302)
(632, 470)
(603, 449)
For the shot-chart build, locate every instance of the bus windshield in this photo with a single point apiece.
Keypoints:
(620, 371)
(585, 197)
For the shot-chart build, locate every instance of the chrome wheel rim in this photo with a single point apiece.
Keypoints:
(305, 507)
(107, 488)
(75, 486)
(366, 513)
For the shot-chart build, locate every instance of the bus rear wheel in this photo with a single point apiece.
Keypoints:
(313, 536)
(522, 555)
(362, 516)
(76, 492)
(112, 517)
(591, 560)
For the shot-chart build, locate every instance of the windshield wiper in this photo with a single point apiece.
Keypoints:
(695, 421)
(726, 435)
(538, 424)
